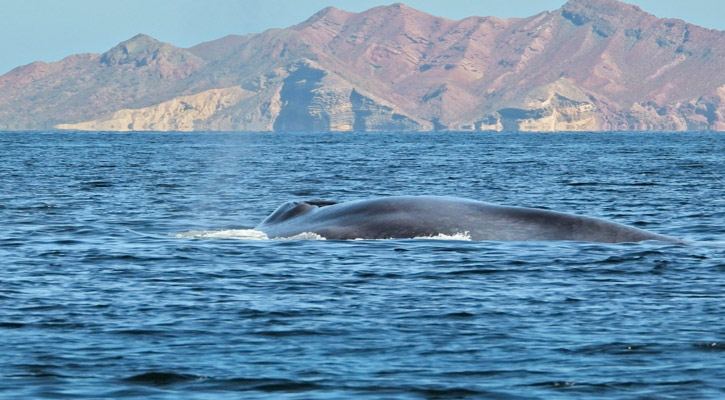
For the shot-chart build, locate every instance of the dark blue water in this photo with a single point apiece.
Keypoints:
(104, 293)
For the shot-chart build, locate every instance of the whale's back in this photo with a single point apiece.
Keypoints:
(426, 216)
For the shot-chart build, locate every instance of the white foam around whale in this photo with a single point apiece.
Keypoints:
(242, 234)
(465, 236)
(251, 234)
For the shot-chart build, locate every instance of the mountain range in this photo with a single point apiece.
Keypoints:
(590, 65)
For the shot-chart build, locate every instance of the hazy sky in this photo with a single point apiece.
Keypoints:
(48, 30)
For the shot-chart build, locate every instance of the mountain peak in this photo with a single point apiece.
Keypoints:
(327, 15)
(140, 42)
(396, 8)
(323, 13)
(601, 7)
(143, 51)
(141, 37)
(605, 16)
(132, 50)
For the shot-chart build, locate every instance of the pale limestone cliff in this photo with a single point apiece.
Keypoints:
(179, 114)
(560, 106)
(719, 123)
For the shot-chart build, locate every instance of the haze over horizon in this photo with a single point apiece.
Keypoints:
(45, 30)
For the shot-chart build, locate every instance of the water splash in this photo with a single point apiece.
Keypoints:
(251, 234)
(243, 234)
(465, 236)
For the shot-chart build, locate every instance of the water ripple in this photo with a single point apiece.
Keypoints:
(129, 269)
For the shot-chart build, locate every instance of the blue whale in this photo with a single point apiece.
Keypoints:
(407, 217)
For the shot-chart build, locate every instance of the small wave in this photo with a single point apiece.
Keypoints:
(718, 244)
(712, 346)
(12, 325)
(137, 332)
(298, 332)
(264, 385)
(162, 379)
(243, 234)
(555, 384)
(156, 378)
(618, 348)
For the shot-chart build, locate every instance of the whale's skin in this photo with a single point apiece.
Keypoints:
(407, 217)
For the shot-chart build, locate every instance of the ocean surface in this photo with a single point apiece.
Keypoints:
(128, 269)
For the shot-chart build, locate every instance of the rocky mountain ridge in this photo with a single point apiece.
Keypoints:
(591, 65)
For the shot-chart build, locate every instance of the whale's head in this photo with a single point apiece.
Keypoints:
(293, 209)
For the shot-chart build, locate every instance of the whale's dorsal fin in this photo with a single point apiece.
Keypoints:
(321, 203)
(286, 211)
(292, 209)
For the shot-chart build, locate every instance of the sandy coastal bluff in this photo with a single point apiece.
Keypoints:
(590, 65)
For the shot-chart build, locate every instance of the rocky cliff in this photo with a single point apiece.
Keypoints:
(591, 65)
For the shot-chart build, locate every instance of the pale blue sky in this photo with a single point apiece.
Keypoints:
(48, 30)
